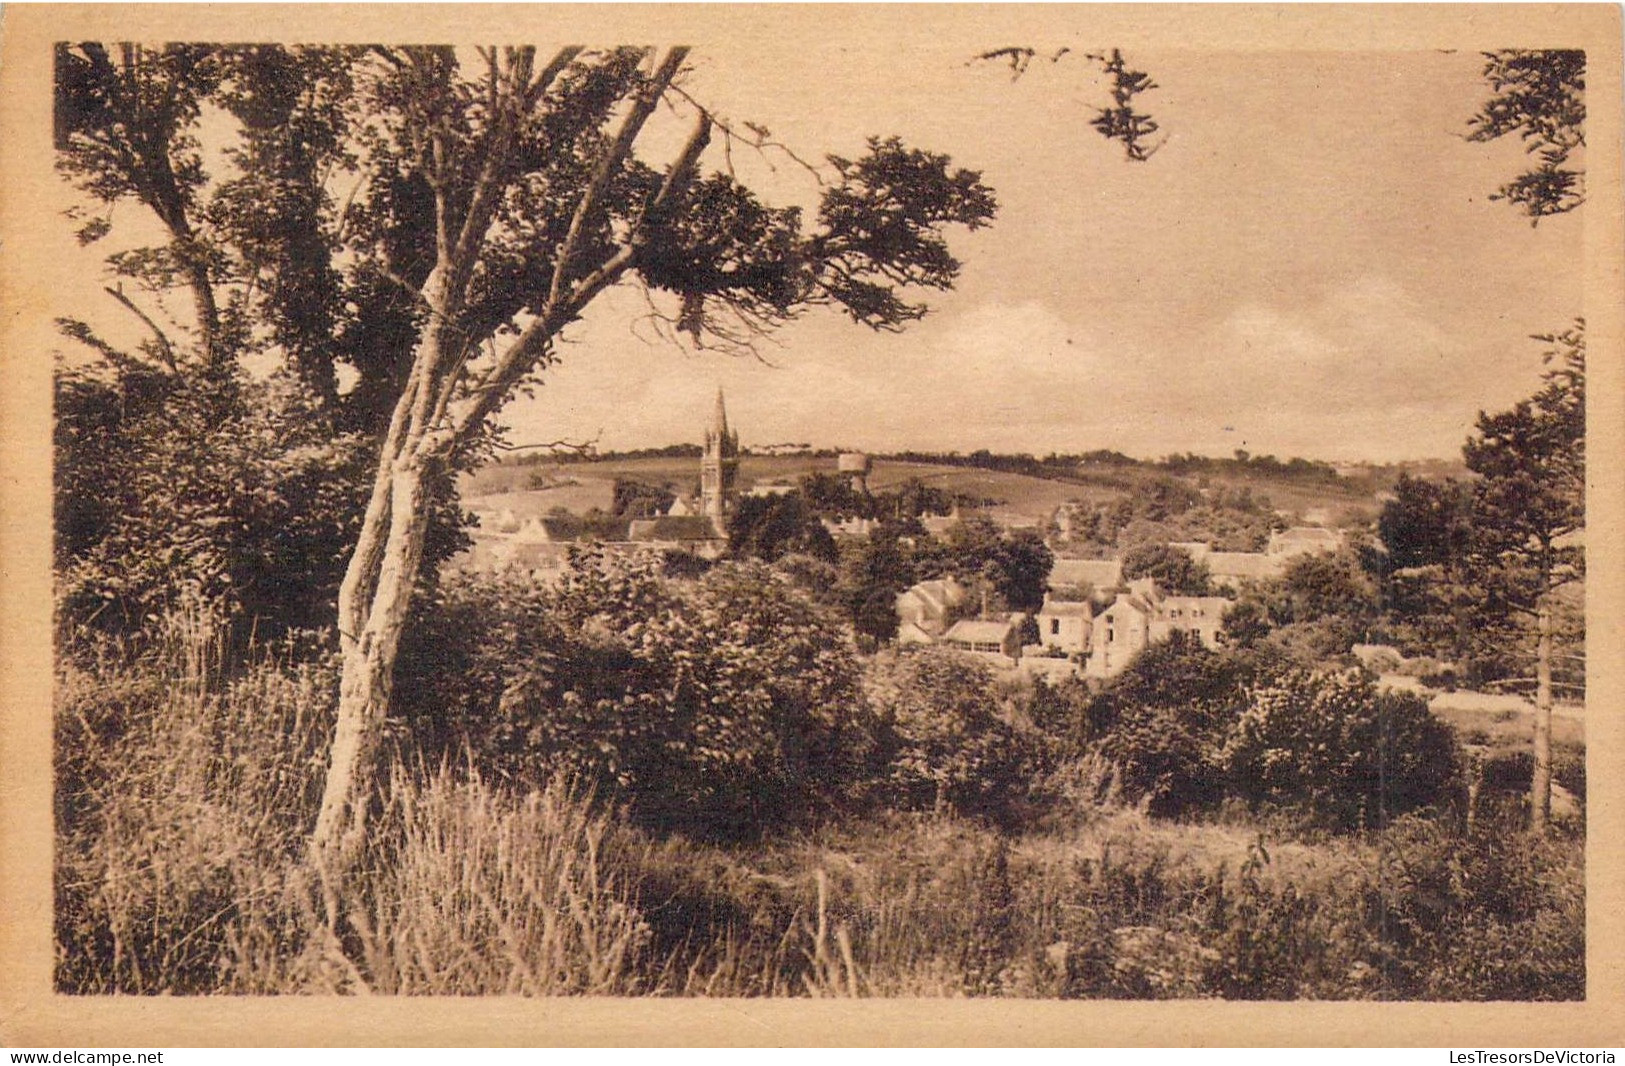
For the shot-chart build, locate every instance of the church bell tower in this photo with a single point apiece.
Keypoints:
(719, 466)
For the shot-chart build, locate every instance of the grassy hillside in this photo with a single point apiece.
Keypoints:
(538, 488)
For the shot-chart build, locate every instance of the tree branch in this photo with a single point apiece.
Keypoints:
(165, 350)
(642, 107)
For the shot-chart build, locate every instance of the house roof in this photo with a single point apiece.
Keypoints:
(1196, 549)
(1309, 534)
(1252, 565)
(673, 527)
(937, 595)
(1100, 573)
(1146, 588)
(1132, 602)
(1065, 609)
(1216, 602)
(909, 633)
(1305, 538)
(977, 632)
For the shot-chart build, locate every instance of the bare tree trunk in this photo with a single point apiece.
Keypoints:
(1475, 784)
(208, 317)
(379, 588)
(376, 595)
(1540, 787)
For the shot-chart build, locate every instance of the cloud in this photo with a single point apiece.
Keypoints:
(1355, 368)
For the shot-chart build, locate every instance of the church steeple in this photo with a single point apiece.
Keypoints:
(719, 418)
(719, 466)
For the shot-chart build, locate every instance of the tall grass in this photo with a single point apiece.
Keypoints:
(479, 892)
(186, 785)
(184, 796)
(182, 793)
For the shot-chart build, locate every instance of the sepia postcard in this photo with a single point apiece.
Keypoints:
(1008, 524)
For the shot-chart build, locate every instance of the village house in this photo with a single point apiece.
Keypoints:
(998, 639)
(1140, 616)
(1304, 540)
(925, 611)
(1118, 634)
(1064, 626)
(1199, 616)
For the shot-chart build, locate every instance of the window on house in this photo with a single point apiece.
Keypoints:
(1054, 626)
(1111, 634)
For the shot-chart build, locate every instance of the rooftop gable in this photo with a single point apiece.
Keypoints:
(980, 632)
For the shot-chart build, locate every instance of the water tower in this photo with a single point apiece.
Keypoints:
(855, 466)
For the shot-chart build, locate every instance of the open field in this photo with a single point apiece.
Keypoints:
(1512, 730)
(538, 488)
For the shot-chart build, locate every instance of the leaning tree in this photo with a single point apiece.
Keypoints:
(428, 222)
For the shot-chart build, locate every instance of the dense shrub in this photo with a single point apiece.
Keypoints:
(185, 793)
(1165, 721)
(1164, 761)
(237, 495)
(1059, 710)
(1492, 914)
(717, 707)
(948, 743)
(1344, 754)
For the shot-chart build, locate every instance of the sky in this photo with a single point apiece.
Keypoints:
(1310, 265)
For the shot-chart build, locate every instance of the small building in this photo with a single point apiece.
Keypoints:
(1232, 570)
(987, 637)
(1065, 626)
(854, 527)
(1304, 540)
(928, 607)
(1199, 616)
(1118, 634)
(1379, 658)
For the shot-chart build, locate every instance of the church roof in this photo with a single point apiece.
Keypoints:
(673, 527)
(719, 417)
